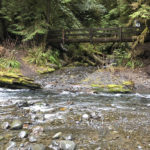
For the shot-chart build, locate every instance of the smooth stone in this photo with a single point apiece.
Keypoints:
(67, 145)
(5, 125)
(68, 137)
(85, 116)
(22, 104)
(32, 139)
(23, 134)
(11, 146)
(16, 125)
(37, 147)
(57, 135)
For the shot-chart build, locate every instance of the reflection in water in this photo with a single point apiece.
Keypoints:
(106, 121)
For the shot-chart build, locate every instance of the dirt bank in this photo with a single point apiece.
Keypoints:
(81, 78)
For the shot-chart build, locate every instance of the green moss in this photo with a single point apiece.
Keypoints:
(111, 88)
(98, 85)
(45, 70)
(6, 80)
(12, 80)
(128, 83)
(117, 89)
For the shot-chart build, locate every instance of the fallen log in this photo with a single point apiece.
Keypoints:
(17, 81)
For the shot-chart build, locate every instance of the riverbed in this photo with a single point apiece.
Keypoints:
(95, 121)
(67, 114)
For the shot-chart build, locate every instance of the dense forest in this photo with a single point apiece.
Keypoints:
(29, 22)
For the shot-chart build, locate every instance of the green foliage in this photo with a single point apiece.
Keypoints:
(5, 63)
(124, 58)
(40, 58)
(142, 13)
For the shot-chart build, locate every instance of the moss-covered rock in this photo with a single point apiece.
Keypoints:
(125, 87)
(17, 81)
(44, 70)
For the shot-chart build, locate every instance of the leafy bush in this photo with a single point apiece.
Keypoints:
(39, 57)
(124, 58)
(5, 63)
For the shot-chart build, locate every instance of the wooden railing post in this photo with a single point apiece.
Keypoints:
(120, 34)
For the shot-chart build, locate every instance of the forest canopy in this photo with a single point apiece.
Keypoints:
(30, 18)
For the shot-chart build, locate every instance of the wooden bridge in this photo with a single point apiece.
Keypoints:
(95, 35)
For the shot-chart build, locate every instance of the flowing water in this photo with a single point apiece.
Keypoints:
(96, 121)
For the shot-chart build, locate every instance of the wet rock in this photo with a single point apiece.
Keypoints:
(28, 146)
(85, 116)
(98, 148)
(5, 125)
(67, 145)
(16, 125)
(38, 147)
(32, 139)
(23, 134)
(63, 145)
(22, 104)
(11, 146)
(57, 135)
(68, 137)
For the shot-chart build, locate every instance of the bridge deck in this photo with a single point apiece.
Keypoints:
(95, 35)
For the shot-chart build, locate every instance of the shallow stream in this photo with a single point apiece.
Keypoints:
(95, 121)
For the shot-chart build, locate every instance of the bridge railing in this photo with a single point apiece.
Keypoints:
(125, 34)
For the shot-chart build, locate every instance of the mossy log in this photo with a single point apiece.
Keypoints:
(17, 81)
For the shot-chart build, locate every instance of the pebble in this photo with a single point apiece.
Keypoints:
(32, 139)
(23, 134)
(57, 135)
(16, 125)
(38, 147)
(68, 137)
(63, 145)
(11, 146)
(5, 125)
(67, 145)
(85, 116)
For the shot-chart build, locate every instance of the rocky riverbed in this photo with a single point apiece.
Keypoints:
(68, 114)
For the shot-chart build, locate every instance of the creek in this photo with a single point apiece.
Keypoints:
(95, 121)
(65, 114)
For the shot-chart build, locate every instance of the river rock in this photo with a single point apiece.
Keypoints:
(62, 145)
(67, 145)
(11, 146)
(85, 116)
(22, 104)
(5, 125)
(23, 134)
(16, 125)
(57, 135)
(38, 147)
(32, 139)
(68, 137)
